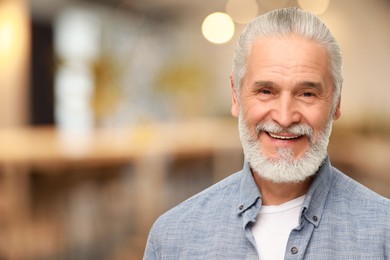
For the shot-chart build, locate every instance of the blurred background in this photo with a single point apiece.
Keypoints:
(113, 111)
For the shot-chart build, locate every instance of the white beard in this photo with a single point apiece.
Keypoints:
(286, 169)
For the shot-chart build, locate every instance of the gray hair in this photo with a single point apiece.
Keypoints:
(288, 21)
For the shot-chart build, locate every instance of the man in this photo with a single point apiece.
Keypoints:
(287, 202)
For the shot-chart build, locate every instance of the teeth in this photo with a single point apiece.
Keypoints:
(283, 137)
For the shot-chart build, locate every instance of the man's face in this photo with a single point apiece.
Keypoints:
(287, 86)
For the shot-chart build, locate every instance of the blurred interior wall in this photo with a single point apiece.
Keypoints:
(14, 62)
(362, 29)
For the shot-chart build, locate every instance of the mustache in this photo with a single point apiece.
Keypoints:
(297, 129)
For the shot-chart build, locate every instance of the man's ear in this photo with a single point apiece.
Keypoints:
(235, 110)
(337, 112)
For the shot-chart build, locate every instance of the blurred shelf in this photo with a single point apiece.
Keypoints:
(48, 145)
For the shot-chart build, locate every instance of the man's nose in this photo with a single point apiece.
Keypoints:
(286, 111)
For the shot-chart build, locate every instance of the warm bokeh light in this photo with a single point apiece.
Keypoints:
(317, 7)
(242, 11)
(13, 31)
(218, 28)
(14, 60)
(7, 36)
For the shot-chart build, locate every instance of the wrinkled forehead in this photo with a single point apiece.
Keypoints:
(290, 51)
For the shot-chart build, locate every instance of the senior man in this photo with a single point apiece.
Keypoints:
(287, 202)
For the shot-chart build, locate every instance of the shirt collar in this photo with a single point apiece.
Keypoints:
(316, 197)
(249, 193)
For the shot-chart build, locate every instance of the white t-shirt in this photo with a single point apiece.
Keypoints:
(273, 227)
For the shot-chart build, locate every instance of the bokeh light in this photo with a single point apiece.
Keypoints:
(13, 32)
(218, 28)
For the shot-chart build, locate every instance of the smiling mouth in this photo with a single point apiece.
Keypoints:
(284, 137)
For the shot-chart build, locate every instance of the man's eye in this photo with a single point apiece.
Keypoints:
(308, 94)
(265, 91)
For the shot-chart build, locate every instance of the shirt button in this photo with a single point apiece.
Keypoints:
(241, 207)
(294, 250)
(315, 218)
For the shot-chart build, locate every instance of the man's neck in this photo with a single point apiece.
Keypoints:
(278, 193)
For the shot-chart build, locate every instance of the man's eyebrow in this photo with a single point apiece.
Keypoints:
(264, 83)
(311, 84)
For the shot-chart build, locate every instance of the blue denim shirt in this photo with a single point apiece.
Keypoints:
(340, 219)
